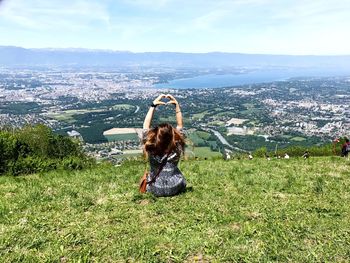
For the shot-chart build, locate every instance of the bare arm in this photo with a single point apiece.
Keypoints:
(149, 115)
(178, 113)
(178, 117)
(148, 119)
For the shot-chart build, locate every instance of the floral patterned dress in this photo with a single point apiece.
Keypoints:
(170, 180)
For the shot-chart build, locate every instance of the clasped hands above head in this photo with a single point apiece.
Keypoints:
(171, 100)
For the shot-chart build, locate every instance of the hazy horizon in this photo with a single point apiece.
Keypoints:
(162, 51)
(247, 27)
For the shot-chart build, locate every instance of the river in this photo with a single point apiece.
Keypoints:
(225, 142)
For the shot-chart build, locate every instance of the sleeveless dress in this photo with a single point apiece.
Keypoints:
(170, 180)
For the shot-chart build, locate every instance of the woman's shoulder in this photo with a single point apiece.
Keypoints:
(182, 131)
(145, 132)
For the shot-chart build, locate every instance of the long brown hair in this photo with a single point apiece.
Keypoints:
(162, 139)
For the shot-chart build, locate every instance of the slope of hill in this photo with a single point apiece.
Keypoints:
(280, 210)
(17, 56)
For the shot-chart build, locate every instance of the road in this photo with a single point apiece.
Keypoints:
(225, 142)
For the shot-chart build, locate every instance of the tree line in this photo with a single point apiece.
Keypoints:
(330, 149)
(34, 149)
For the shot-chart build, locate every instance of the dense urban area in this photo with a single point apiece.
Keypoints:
(88, 103)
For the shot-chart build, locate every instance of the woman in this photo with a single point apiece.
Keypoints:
(164, 145)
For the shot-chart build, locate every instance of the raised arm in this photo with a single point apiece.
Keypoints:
(149, 116)
(177, 111)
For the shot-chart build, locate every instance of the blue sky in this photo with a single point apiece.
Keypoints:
(247, 26)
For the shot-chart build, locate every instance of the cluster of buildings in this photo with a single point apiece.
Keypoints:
(122, 143)
(54, 91)
(17, 121)
(310, 118)
(307, 107)
(53, 85)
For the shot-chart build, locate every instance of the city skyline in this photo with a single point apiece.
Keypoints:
(253, 26)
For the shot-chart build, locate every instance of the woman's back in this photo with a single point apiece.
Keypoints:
(164, 145)
(170, 180)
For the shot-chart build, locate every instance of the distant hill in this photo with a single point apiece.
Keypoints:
(16, 56)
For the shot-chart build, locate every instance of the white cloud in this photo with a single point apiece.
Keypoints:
(41, 15)
(254, 26)
(149, 4)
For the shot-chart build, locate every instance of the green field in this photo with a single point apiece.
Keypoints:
(170, 119)
(298, 139)
(198, 137)
(205, 152)
(199, 115)
(216, 123)
(203, 134)
(226, 114)
(122, 137)
(67, 116)
(250, 109)
(234, 211)
(122, 107)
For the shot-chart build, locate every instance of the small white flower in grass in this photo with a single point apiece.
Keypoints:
(23, 221)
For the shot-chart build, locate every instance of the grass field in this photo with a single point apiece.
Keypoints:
(199, 115)
(217, 123)
(198, 137)
(205, 152)
(250, 109)
(203, 134)
(298, 139)
(68, 115)
(123, 107)
(235, 211)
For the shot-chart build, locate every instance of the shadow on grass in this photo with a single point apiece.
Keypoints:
(188, 189)
(149, 197)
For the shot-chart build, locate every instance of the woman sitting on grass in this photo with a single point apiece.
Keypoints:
(164, 145)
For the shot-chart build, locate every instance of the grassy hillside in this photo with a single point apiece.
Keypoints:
(281, 210)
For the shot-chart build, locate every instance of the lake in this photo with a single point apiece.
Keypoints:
(258, 76)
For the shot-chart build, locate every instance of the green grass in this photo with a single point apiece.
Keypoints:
(195, 138)
(68, 115)
(217, 123)
(298, 139)
(250, 109)
(122, 107)
(203, 134)
(199, 137)
(199, 115)
(225, 114)
(235, 211)
(169, 119)
(205, 152)
(202, 152)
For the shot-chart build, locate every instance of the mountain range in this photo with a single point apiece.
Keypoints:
(11, 56)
